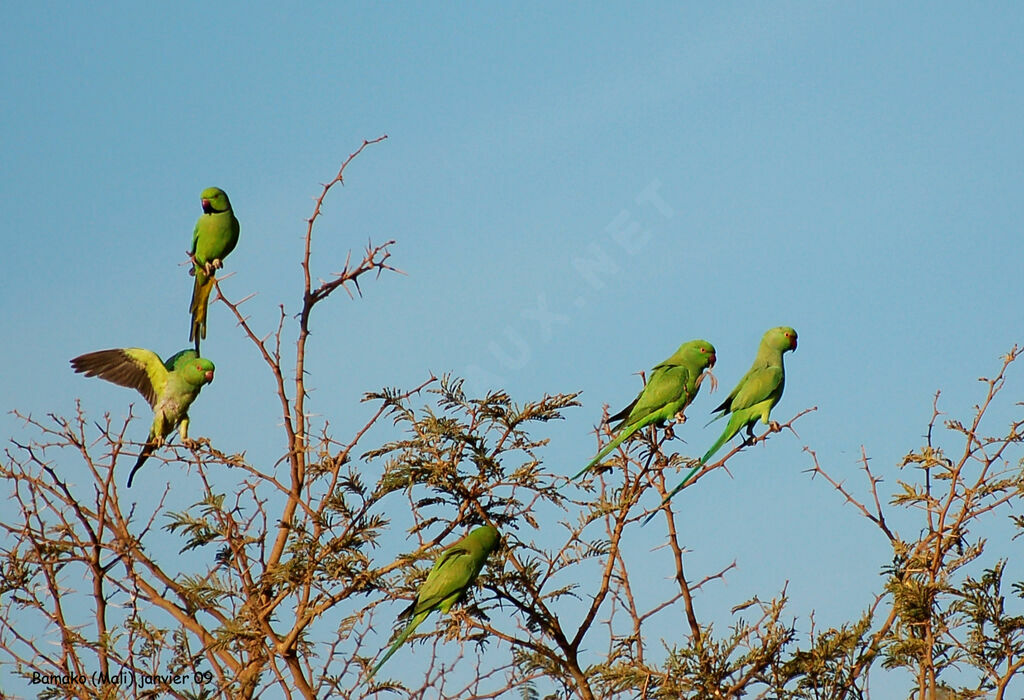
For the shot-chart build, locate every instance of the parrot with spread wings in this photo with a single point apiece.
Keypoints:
(169, 387)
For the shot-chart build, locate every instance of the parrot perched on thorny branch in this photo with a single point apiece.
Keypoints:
(451, 576)
(753, 398)
(673, 385)
(214, 237)
(169, 387)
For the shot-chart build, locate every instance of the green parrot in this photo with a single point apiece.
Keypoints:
(214, 237)
(169, 387)
(753, 398)
(673, 385)
(758, 391)
(453, 572)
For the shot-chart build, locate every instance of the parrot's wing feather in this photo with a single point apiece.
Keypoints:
(722, 408)
(135, 368)
(233, 239)
(455, 569)
(624, 413)
(452, 553)
(442, 581)
(726, 404)
(451, 573)
(759, 386)
(666, 386)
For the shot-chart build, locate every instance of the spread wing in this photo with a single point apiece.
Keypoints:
(135, 368)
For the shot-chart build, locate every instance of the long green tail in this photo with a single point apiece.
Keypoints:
(409, 629)
(722, 439)
(727, 434)
(625, 433)
(735, 423)
(200, 300)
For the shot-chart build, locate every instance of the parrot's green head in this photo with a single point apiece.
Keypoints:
(701, 353)
(782, 338)
(486, 538)
(195, 370)
(199, 371)
(697, 354)
(215, 200)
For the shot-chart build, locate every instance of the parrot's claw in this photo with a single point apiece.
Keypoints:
(749, 439)
(195, 443)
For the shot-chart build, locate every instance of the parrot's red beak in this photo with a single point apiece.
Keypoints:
(794, 343)
(209, 375)
(207, 207)
(711, 361)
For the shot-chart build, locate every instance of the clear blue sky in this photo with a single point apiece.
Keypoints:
(852, 170)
